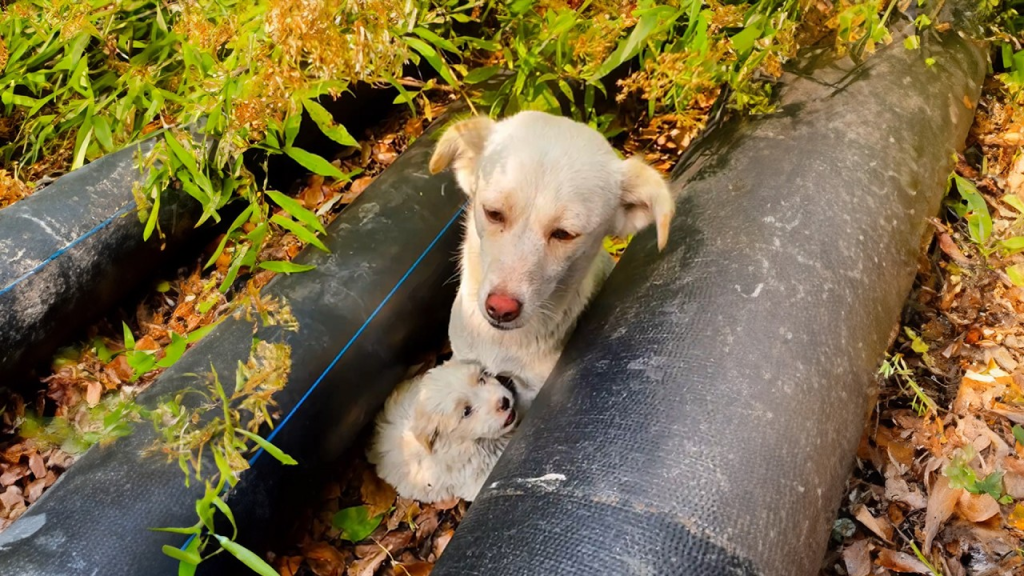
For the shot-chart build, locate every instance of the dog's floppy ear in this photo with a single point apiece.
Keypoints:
(460, 146)
(426, 430)
(645, 199)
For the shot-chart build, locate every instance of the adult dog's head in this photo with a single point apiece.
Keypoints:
(544, 192)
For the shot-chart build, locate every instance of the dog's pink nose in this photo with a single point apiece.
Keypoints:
(502, 308)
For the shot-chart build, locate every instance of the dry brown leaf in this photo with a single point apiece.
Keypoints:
(948, 246)
(35, 462)
(288, 565)
(880, 526)
(413, 569)
(377, 494)
(1016, 517)
(857, 558)
(977, 507)
(324, 559)
(897, 447)
(427, 522)
(941, 503)
(405, 510)
(441, 542)
(13, 474)
(11, 498)
(900, 562)
(368, 565)
(94, 393)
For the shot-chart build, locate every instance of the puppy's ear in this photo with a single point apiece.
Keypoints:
(645, 199)
(460, 146)
(426, 431)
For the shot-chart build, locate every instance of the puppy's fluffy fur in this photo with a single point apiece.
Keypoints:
(440, 434)
(544, 192)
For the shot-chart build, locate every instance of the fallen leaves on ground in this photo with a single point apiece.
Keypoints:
(409, 539)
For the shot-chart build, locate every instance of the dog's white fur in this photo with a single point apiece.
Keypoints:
(428, 447)
(542, 174)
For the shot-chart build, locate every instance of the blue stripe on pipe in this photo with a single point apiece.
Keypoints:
(351, 341)
(121, 212)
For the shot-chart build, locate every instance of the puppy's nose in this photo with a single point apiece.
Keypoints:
(505, 404)
(503, 308)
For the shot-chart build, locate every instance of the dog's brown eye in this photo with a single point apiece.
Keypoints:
(494, 216)
(467, 411)
(563, 235)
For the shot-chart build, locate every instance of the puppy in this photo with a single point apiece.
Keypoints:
(440, 434)
(544, 191)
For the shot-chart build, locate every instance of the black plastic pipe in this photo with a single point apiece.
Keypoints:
(703, 418)
(75, 248)
(380, 298)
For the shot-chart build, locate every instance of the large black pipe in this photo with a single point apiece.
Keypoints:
(703, 418)
(380, 298)
(75, 248)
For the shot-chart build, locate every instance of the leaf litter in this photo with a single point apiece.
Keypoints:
(938, 486)
(84, 397)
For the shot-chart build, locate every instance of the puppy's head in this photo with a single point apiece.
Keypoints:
(544, 192)
(459, 402)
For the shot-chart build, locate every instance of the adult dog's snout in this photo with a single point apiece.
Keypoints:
(504, 404)
(502, 308)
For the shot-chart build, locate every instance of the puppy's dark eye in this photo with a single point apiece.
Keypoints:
(494, 216)
(563, 235)
(467, 411)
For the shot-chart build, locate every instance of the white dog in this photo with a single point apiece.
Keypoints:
(544, 192)
(440, 434)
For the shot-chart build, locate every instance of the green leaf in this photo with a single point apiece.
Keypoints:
(282, 267)
(102, 127)
(1018, 434)
(478, 75)
(295, 228)
(291, 128)
(325, 122)
(270, 448)
(979, 221)
(743, 41)
(173, 351)
(314, 163)
(912, 42)
(188, 160)
(435, 39)
(991, 485)
(355, 523)
(1016, 274)
(197, 334)
(297, 210)
(197, 529)
(239, 220)
(129, 340)
(1012, 245)
(433, 58)
(82, 145)
(104, 353)
(186, 556)
(916, 343)
(185, 568)
(247, 557)
(154, 214)
(226, 511)
(1014, 201)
